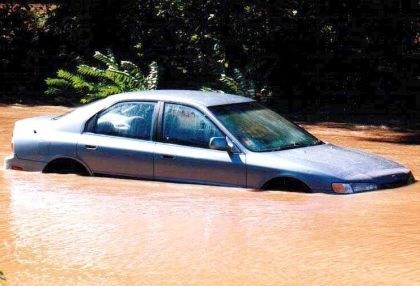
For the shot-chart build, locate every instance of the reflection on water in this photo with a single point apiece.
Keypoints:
(72, 230)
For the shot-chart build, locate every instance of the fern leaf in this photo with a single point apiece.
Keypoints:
(109, 60)
(57, 83)
(152, 77)
(122, 79)
(77, 82)
(52, 91)
(93, 83)
(88, 71)
(240, 80)
(206, 88)
(209, 89)
(231, 84)
(132, 69)
(63, 74)
(108, 90)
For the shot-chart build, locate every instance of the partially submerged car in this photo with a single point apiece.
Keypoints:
(195, 137)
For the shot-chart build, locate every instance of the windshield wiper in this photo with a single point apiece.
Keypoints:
(294, 145)
(287, 146)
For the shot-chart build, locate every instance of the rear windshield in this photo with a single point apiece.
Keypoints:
(74, 109)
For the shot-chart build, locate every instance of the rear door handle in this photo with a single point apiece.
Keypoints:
(164, 156)
(91, 147)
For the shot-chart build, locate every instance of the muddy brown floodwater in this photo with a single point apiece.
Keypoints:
(72, 230)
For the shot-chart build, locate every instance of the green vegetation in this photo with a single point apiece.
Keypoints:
(348, 55)
(240, 85)
(91, 83)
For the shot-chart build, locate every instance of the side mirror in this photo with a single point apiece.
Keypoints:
(219, 143)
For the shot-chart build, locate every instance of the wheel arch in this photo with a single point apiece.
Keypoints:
(286, 182)
(67, 159)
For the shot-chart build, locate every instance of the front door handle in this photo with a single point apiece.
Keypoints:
(165, 156)
(91, 147)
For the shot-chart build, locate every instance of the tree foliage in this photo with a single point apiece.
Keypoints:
(91, 83)
(311, 53)
(22, 28)
(239, 84)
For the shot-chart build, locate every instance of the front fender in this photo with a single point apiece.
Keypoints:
(259, 176)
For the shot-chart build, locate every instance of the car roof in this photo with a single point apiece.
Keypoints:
(73, 120)
(199, 98)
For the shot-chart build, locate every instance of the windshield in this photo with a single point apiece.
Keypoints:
(260, 129)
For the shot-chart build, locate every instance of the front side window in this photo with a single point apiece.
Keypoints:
(185, 125)
(127, 119)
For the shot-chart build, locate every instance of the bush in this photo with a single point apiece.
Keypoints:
(241, 85)
(90, 83)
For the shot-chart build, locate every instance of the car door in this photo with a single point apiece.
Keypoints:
(117, 141)
(183, 153)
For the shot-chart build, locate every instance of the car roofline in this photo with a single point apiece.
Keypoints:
(192, 97)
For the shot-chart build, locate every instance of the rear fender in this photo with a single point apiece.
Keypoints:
(29, 138)
(70, 158)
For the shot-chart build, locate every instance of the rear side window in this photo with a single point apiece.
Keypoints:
(185, 125)
(127, 119)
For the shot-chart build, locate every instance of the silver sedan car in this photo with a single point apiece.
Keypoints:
(195, 137)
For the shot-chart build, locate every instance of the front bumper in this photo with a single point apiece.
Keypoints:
(393, 180)
(13, 162)
(397, 180)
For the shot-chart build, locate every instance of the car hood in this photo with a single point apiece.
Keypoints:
(343, 163)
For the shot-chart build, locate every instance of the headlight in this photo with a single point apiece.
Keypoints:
(353, 187)
(342, 188)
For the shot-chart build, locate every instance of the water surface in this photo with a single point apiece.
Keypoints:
(72, 230)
